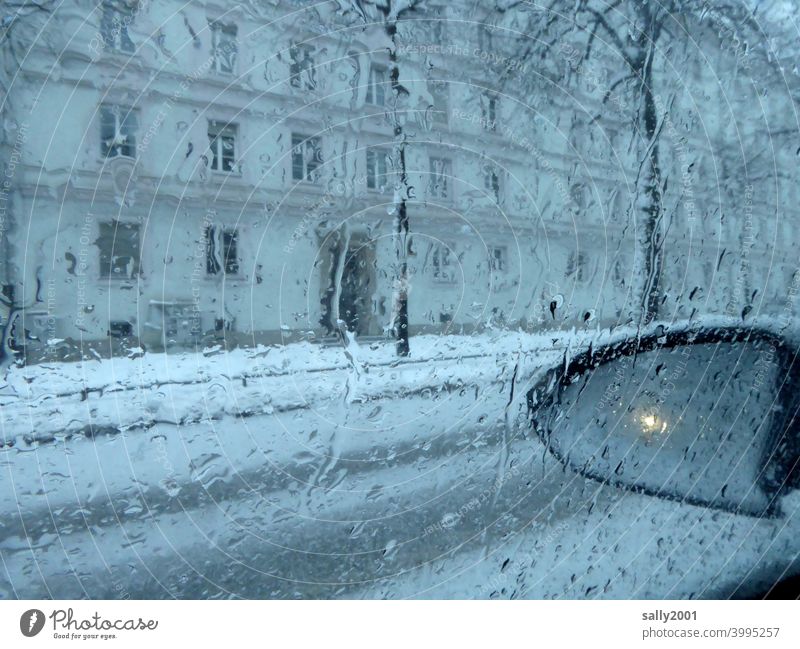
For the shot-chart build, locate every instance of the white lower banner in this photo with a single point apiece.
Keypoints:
(399, 624)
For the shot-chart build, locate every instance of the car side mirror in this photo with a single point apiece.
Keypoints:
(706, 417)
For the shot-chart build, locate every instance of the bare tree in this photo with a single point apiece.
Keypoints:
(393, 12)
(637, 39)
(20, 25)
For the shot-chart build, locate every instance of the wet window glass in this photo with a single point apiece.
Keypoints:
(396, 299)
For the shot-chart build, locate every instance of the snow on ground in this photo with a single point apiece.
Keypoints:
(47, 400)
(295, 405)
(368, 457)
(316, 402)
(627, 546)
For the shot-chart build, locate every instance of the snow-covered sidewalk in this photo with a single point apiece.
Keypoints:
(54, 399)
(60, 399)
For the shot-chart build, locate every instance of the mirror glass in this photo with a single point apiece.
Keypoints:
(690, 422)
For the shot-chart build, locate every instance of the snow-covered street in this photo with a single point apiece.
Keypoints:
(432, 520)
(366, 483)
(334, 440)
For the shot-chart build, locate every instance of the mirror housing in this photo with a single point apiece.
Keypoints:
(704, 416)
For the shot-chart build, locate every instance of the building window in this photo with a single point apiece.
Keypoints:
(119, 250)
(212, 260)
(578, 194)
(497, 258)
(438, 23)
(438, 30)
(306, 157)
(441, 173)
(224, 47)
(222, 145)
(181, 322)
(491, 181)
(618, 277)
(301, 67)
(438, 92)
(485, 35)
(230, 251)
(118, 128)
(120, 329)
(576, 265)
(222, 251)
(489, 110)
(377, 165)
(442, 263)
(376, 85)
(114, 26)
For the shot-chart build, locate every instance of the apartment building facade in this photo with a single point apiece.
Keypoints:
(192, 174)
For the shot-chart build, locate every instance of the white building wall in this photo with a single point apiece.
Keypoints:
(561, 218)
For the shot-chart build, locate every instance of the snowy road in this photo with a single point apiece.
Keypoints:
(351, 480)
(388, 482)
(437, 518)
(321, 523)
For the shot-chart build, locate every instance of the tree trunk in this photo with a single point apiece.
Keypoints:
(401, 226)
(650, 241)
